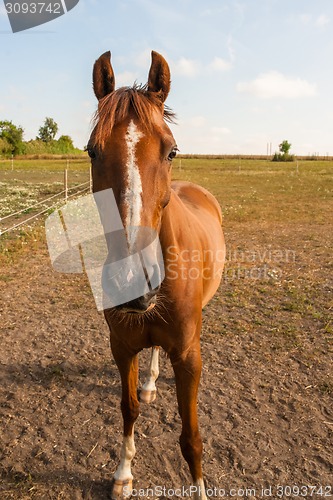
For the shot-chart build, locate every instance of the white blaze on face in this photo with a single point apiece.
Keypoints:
(133, 193)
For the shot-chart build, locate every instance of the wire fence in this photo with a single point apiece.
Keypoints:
(68, 192)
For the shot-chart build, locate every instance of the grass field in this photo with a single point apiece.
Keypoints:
(32, 180)
(246, 189)
(276, 219)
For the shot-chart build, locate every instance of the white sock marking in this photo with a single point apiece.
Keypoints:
(123, 473)
(134, 186)
(149, 385)
(200, 493)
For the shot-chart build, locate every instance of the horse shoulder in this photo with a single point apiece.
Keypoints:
(197, 199)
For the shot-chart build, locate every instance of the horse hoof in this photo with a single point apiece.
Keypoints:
(121, 489)
(147, 396)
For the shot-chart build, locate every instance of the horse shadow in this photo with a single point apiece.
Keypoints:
(82, 377)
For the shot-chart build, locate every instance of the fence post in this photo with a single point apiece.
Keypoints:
(90, 179)
(12, 162)
(66, 183)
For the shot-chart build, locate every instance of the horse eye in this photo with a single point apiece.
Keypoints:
(91, 152)
(172, 154)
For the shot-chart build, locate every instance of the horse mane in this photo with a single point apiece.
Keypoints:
(115, 107)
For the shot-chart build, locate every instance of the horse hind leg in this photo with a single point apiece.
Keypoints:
(148, 391)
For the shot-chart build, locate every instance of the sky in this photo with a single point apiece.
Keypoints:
(244, 73)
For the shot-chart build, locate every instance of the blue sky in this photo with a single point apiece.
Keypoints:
(244, 73)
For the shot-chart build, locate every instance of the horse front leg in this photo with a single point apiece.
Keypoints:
(187, 369)
(128, 367)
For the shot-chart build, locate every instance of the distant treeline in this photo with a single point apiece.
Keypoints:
(82, 155)
(79, 156)
(248, 157)
(13, 144)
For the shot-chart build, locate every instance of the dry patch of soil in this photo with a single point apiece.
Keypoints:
(265, 402)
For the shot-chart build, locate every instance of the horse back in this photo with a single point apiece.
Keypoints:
(201, 223)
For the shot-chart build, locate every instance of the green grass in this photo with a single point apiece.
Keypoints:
(35, 180)
(280, 214)
(45, 165)
(252, 190)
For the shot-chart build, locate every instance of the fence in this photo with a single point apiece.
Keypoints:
(64, 195)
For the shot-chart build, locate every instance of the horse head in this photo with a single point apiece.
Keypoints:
(131, 149)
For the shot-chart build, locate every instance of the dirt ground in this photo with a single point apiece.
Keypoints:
(265, 401)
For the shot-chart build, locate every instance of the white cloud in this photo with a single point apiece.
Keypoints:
(322, 21)
(193, 122)
(197, 121)
(274, 84)
(305, 18)
(143, 59)
(231, 49)
(125, 78)
(186, 67)
(308, 20)
(220, 130)
(219, 64)
(191, 67)
(87, 104)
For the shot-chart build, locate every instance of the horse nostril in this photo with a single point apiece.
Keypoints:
(151, 295)
(141, 304)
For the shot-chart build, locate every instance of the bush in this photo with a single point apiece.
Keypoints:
(283, 157)
(64, 145)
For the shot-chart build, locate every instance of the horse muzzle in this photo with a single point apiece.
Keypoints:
(131, 287)
(141, 305)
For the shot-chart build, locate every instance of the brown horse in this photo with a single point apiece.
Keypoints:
(132, 148)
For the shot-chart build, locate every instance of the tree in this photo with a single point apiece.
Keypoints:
(285, 147)
(66, 142)
(284, 154)
(48, 131)
(13, 135)
(5, 147)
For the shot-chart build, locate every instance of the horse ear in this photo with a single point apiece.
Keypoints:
(159, 76)
(103, 76)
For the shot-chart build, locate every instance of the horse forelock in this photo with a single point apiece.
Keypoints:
(116, 107)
